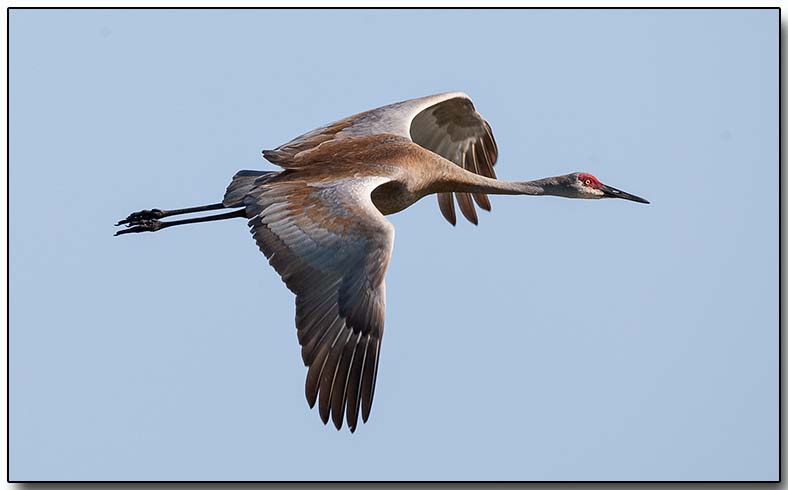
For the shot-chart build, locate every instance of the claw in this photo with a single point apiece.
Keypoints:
(145, 215)
(140, 226)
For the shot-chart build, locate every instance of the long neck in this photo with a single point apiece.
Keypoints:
(464, 181)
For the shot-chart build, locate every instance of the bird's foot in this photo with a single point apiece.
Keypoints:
(139, 216)
(139, 226)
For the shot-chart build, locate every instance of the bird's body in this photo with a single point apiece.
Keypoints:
(386, 157)
(321, 223)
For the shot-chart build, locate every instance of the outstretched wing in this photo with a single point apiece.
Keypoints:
(332, 248)
(446, 124)
(454, 130)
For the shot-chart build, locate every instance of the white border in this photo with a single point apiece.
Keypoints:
(258, 3)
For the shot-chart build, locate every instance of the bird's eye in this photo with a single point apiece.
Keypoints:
(587, 182)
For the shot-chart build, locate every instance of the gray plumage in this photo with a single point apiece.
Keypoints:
(320, 222)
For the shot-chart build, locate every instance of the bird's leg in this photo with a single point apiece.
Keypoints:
(153, 214)
(139, 226)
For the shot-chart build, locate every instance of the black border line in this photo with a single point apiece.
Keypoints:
(7, 246)
(779, 246)
(390, 8)
(8, 241)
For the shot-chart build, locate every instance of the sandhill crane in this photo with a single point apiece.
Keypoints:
(320, 223)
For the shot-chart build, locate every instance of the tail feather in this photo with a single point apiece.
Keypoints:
(242, 184)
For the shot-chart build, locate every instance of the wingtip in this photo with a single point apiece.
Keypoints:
(466, 207)
(337, 419)
(311, 400)
(482, 201)
(324, 416)
(446, 205)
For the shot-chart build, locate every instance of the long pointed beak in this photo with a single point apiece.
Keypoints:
(613, 192)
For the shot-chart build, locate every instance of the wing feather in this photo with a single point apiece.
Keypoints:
(476, 165)
(354, 382)
(446, 205)
(338, 390)
(466, 206)
(332, 248)
(368, 377)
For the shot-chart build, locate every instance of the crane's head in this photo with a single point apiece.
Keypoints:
(581, 185)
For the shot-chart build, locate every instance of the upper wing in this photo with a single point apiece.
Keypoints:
(332, 248)
(454, 130)
(446, 124)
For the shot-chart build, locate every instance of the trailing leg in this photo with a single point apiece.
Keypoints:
(151, 214)
(140, 225)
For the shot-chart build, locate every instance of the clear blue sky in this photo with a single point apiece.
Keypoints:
(559, 339)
